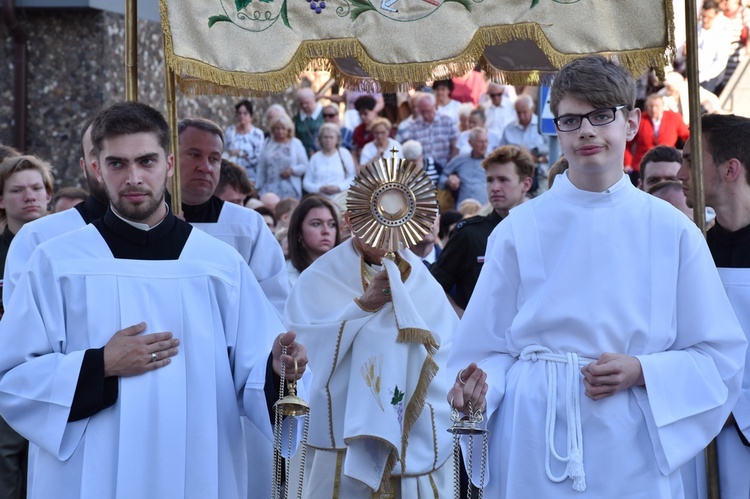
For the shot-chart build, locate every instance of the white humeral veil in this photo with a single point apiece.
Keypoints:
(378, 406)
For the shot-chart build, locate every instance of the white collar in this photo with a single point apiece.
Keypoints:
(315, 113)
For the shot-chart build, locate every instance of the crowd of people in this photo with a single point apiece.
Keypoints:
(141, 357)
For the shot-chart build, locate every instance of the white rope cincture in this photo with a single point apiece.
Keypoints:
(574, 469)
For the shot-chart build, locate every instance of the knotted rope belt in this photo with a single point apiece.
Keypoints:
(574, 468)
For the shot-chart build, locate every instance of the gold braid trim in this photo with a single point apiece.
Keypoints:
(416, 403)
(339, 466)
(328, 384)
(196, 76)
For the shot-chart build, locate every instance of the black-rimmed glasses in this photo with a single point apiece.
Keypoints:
(597, 117)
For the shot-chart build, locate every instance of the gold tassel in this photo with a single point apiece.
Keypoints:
(416, 403)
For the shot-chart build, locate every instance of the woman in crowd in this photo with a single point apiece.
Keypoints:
(381, 144)
(332, 168)
(283, 162)
(243, 141)
(445, 105)
(313, 231)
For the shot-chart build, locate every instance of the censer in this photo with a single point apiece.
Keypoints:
(469, 426)
(289, 405)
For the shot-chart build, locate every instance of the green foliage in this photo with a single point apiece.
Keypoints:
(241, 4)
(284, 16)
(398, 396)
(359, 7)
(533, 3)
(218, 19)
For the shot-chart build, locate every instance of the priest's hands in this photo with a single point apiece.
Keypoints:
(294, 351)
(612, 373)
(470, 386)
(377, 294)
(128, 353)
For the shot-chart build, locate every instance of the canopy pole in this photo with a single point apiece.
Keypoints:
(699, 204)
(172, 120)
(131, 50)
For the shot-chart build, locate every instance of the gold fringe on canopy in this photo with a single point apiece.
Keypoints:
(196, 76)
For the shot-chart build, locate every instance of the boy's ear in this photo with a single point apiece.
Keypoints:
(634, 122)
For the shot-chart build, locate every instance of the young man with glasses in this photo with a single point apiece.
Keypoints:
(596, 288)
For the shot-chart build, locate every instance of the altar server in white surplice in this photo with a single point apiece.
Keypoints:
(201, 143)
(611, 353)
(726, 164)
(133, 345)
(34, 233)
(379, 340)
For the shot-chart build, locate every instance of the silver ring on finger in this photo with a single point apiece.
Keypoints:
(154, 358)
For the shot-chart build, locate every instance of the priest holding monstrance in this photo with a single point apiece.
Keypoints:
(378, 329)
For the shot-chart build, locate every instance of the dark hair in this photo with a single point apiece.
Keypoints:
(234, 175)
(447, 219)
(8, 152)
(443, 83)
(665, 185)
(70, 192)
(298, 253)
(519, 156)
(711, 5)
(85, 126)
(596, 80)
(128, 118)
(657, 154)
(365, 102)
(265, 212)
(727, 136)
(248, 105)
(201, 124)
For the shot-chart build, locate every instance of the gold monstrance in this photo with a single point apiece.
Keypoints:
(392, 204)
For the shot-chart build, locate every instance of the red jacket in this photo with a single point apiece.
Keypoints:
(672, 130)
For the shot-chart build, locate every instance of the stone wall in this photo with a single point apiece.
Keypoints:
(76, 65)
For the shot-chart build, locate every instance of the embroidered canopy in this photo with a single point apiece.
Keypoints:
(263, 45)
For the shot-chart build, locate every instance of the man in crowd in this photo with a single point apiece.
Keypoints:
(726, 179)
(234, 186)
(437, 133)
(508, 175)
(658, 127)
(524, 131)
(35, 233)
(25, 190)
(671, 192)
(464, 175)
(658, 165)
(308, 119)
(152, 410)
(499, 108)
(200, 148)
(67, 197)
(557, 315)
